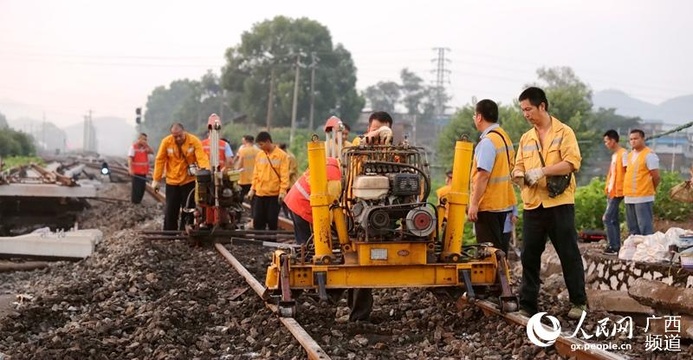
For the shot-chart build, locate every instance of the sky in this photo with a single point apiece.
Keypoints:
(64, 58)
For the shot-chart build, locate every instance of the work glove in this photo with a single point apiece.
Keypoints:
(281, 198)
(533, 176)
(155, 185)
(250, 194)
(384, 134)
(518, 178)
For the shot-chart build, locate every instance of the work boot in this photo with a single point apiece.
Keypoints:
(576, 311)
(610, 251)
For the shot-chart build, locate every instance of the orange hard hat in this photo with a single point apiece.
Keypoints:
(214, 118)
(332, 122)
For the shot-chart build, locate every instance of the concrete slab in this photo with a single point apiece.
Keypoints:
(71, 244)
(615, 302)
(47, 190)
(661, 296)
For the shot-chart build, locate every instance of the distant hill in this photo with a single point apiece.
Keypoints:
(113, 135)
(678, 110)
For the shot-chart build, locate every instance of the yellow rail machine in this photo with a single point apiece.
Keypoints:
(383, 233)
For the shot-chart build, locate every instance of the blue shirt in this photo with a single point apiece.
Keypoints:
(485, 151)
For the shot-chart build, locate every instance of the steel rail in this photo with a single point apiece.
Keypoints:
(568, 347)
(312, 348)
(309, 344)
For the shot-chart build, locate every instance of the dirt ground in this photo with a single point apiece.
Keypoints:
(136, 299)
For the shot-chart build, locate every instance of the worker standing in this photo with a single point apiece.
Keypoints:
(180, 155)
(547, 156)
(270, 183)
(640, 185)
(223, 147)
(298, 199)
(245, 161)
(138, 167)
(492, 196)
(614, 192)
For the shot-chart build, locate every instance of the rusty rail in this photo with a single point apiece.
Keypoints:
(572, 348)
(309, 344)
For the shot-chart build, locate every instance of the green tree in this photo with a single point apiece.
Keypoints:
(383, 96)
(168, 105)
(3, 121)
(270, 52)
(15, 143)
(570, 100)
(461, 123)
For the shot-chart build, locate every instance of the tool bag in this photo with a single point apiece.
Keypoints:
(556, 184)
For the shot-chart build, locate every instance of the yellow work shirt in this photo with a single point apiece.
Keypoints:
(271, 173)
(559, 145)
(293, 168)
(246, 163)
(174, 159)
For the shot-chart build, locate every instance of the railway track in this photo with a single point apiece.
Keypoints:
(565, 346)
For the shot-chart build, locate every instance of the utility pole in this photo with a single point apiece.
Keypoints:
(441, 75)
(294, 107)
(312, 90)
(270, 99)
(43, 132)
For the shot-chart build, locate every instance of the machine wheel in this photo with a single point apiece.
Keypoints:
(509, 306)
(287, 311)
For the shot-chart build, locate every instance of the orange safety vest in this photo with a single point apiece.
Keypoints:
(140, 162)
(616, 173)
(638, 181)
(298, 197)
(222, 150)
(499, 194)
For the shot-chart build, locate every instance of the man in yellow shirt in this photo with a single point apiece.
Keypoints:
(180, 155)
(270, 183)
(442, 192)
(245, 161)
(548, 150)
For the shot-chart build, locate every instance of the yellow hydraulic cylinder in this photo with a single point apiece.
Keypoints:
(319, 201)
(458, 198)
(341, 226)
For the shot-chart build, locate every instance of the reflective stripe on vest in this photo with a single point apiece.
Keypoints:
(638, 181)
(222, 149)
(300, 188)
(499, 194)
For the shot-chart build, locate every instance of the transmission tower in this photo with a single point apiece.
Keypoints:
(442, 78)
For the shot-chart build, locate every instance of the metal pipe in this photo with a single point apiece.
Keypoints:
(319, 201)
(458, 198)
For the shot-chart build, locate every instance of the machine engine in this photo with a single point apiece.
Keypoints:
(222, 207)
(387, 195)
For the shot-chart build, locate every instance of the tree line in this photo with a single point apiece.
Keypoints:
(14, 143)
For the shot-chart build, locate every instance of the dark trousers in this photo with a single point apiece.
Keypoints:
(139, 182)
(489, 228)
(558, 223)
(265, 212)
(361, 304)
(176, 197)
(302, 229)
(245, 189)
